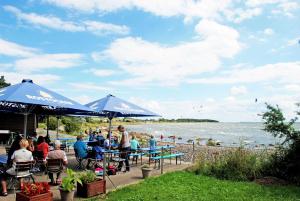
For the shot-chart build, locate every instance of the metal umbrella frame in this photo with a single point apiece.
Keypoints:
(29, 98)
(112, 107)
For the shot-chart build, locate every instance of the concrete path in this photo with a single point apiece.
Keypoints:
(119, 180)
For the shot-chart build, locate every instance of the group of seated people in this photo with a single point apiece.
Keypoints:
(23, 150)
(99, 144)
(33, 148)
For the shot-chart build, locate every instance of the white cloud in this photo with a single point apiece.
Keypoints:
(238, 90)
(268, 31)
(16, 77)
(8, 48)
(88, 86)
(228, 109)
(232, 10)
(238, 15)
(150, 62)
(100, 72)
(83, 99)
(279, 72)
(49, 21)
(286, 8)
(166, 8)
(46, 61)
(100, 28)
(293, 88)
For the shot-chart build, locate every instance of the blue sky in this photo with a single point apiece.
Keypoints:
(178, 58)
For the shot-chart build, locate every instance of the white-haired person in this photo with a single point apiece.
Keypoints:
(20, 155)
(57, 153)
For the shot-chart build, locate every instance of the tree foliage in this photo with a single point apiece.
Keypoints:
(3, 83)
(285, 162)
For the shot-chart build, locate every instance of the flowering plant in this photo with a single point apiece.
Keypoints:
(32, 189)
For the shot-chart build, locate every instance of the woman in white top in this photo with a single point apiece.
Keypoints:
(20, 155)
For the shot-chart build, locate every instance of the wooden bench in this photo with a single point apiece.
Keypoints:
(169, 156)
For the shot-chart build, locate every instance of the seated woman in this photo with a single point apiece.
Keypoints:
(57, 153)
(14, 146)
(20, 155)
(42, 146)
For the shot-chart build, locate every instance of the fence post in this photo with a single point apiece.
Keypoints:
(161, 161)
(193, 155)
(104, 166)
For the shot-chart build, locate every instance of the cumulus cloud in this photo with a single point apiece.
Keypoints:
(88, 86)
(235, 11)
(17, 77)
(152, 62)
(46, 61)
(100, 72)
(238, 90)
(228, 109)
(278, 72)
(8, 48)
(52, 22)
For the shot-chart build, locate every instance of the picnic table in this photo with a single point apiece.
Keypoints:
(65, 138)
(156, 150)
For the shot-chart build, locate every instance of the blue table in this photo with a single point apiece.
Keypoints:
(156, 150)
(65, 139)
(3, 159)
(87, 141)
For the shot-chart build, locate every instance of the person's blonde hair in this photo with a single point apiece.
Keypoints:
(24, 143)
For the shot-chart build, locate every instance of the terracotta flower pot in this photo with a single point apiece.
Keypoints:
(91, 189)
(44, 197)
(146, 172)
(66, 195)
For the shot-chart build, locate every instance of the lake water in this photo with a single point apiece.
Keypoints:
(229, 134)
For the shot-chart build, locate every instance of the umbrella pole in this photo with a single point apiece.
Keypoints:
(25, 124)
(109, 131)
(57, 124)
(47, 126)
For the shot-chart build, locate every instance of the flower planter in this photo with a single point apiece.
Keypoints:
(91, 189)
(66, 195)
(44, 197)
(146, 172)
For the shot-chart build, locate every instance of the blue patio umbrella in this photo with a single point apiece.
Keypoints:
(28, 97)
(111, 106)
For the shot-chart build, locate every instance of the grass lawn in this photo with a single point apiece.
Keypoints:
(185, 186)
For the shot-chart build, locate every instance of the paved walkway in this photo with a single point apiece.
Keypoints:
(119, 180)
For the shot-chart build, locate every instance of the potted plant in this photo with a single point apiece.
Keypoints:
(91, 185)
(146, 170)
(34, 192)
(68, 185)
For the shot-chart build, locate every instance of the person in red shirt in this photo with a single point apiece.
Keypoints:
(42, 146)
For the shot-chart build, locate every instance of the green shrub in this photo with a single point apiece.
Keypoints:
(52, 123)
(88, 177)
(285, 162)
(71, 126)
(238, 164)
